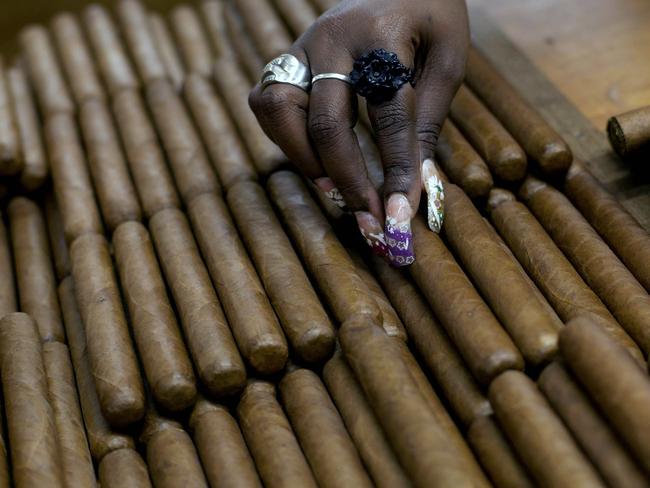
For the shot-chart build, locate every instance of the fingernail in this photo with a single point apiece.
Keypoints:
(435, 195)
(327, 186)
(372, 232)
(398, 230)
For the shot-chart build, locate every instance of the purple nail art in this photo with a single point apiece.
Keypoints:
(400, 243)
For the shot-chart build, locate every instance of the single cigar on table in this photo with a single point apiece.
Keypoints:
(123, 468)
(255, 327)
(277, 454)
(629, 132)
(76, 463)
(35, 459)
(191, 40)
(549, 268)
(628, 301)
(591, 431)
(113, 361)
(8, 303)
(298, 14)
(224, 455)
(487, 350)
(538, 435)
(161, 349)
(11, 161)
(614, 381)
(320, 430)
(206, 331)
(167, 51)
(265, 27)
(239, 45)
(34, 273)
(60, 254)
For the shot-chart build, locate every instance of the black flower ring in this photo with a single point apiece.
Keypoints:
(378, 75)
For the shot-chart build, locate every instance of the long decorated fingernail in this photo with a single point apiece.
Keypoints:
(435, 195)
(327, 186)
(372, 232)
(398, 230)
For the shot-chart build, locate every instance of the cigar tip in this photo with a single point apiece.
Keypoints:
(556, 157)
(269, 354)
(478, 182)
(316, 344)
(530, 186)
(511, 164)
(224, 378)
(125, 408)
(616, 136)
(498, 196)
(175, 391)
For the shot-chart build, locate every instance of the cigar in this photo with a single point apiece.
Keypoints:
(35, 168)
(11, 161)
(487, 350)
(627, 238)
(629, 132)
(540, 141)
(115, 190)
(265, 27)
(35, 456)
(496, 455)
(303, 319)
(505, 158)
(72, 186)
(161, 349)
(610, 279)
(189, 163)
(590, 430)
(76, 58)
(224, 455)
(147, 164)
(191, 40)
(320, 430)
(298, 14)
(123, 468)
(549, 268)
(370, 151)
(255, 327)
(462, 163)
(5, 478)
(324, 256)
(227, 152)
(8, 302)
(167, 51)
(101, 438)
(34, 273)
(278, 457)
(134, 21)
(213, 14)
(239, 44)
(58, 246)
(113, 362)
(614, 381)
(114, 65)
(523, 310)
(76, 463)
(44, 71)
(219, 366)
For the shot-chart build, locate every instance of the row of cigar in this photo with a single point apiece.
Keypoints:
(193, 314)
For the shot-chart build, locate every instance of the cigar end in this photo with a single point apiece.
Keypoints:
(556, 157)
(511, 164)
(498, 196)
(530, 186)
(478, 182)
(316, 344)
(269, 354)
(616, 137)
(124, 408)
(224, 378)
(175, 392)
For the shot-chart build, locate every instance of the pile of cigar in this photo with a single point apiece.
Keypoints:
(193, 313)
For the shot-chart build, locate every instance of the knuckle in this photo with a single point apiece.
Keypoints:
(398, 177)
(391, 121)
(428, 134)
(325, 126)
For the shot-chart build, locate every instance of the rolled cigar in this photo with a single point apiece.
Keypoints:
(610, 279)
(549, 268)
(161, 349)
(147, 164)
(532, 323)
(227, 153)
(320, 430)
(462, 163)
(8, 303)
(629, 132)
(44, 71)
(35, 459)
(206, 331)
(265, 27)
(11, 161)
(72, 186)
(76, 463)
(115, 190)
(505, 158)
(35, 168)
(487, 350)
(123, 468)
(240, 45)
(59, 247)
(496, 455)
(113, 362)
(213, 14)
(76, 58)
(34, 273)
(299, 309)
(101, 438)
(191, 40)
(433, 345)
(298, 14)
(189, 163)
(114, 65)
(324, 256)
(134, 21)
(590, 430)
(614, 381)
(538, 435)
(323, 5)
(370, 152)
(278, 457)
(167, 51)
(224, 455)
(629, 240)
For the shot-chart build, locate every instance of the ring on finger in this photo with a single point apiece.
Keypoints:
(331, 76)
(287, 69)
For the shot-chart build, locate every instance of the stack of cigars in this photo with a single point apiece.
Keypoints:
(179, 308)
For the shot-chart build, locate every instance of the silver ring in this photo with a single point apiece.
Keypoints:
(331, 76)
(287, 69)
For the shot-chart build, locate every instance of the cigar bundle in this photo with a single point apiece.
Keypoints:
(177, 308)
